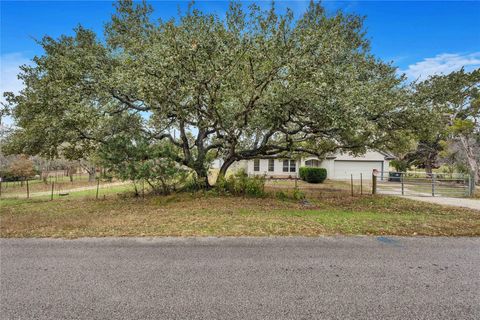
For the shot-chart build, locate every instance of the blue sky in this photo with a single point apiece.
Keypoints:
(420, 37)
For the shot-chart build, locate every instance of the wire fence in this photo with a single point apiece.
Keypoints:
(387, 183)
(424, 184)
(53, 189)
(357, 185)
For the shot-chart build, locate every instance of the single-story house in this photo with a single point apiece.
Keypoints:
(339, 166)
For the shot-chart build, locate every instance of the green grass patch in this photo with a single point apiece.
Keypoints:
(325, 213)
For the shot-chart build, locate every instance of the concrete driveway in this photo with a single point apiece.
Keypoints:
(445, 201)
(241, 278)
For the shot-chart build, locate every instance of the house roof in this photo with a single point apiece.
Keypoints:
(388, 156)
(385, 155)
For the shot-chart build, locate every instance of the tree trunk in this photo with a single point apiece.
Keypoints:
(45, 176)
(428, 168)
(431, 162)
(472, 162)
(135, 187)
(154, 188)
(91, 170)
(202, 177)
(473, 166)
(91, 174)
(223, 169)
(166, 189)
(70, 173)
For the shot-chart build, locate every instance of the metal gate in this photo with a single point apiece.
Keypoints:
(422, 184)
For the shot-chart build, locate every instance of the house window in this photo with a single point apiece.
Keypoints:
(289, 166)
(293, 166)
(256, 165)
(271, 165)
(312, 163)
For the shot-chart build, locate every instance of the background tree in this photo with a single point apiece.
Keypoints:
(455, 98)
(22, 168)
(136, 159)
(256, 84)
(452, 157)
(426, 155)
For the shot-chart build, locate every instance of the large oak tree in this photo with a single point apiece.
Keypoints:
(254, 84)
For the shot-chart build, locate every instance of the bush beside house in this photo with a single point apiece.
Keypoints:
(313, 175)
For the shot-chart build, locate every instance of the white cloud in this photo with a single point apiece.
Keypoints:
(442, 64)
(9, 68)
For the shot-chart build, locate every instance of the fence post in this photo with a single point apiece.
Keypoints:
(361, 184)
(351, 183)
(28, 191)
(53, 187)
(433, 184)
(471, 185)
(472, 182)
(401, 179)
(98, 184)
(0, 187)
(374, 184)
(467, 182)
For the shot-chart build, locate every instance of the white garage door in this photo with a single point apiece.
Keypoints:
(344, 169)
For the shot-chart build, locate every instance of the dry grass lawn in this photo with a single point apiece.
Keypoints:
(327, 211)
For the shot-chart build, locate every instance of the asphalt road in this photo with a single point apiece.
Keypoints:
(241, 278)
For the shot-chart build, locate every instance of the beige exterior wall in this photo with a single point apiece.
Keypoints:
(278, 169)
(346, 165)
(358, 164)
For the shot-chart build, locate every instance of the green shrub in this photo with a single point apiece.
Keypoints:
(281, 195)
(222, 186)
(313, 175)
(302, 172)
(242, 184)
(298, 194)
(193, 184)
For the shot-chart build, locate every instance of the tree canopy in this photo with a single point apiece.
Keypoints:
(454, 104)
(254, 84)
